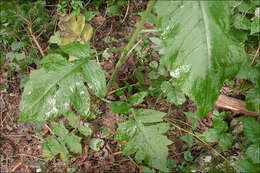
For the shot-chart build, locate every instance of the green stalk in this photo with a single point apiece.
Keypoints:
(131, 42)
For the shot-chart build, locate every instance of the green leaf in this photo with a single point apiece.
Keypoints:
(73, 119)
(105, 54)
(2, 59)
(137, 98)
(49, 93)
(55, 38)
(96, 144)
(195, 124)
(89, 15)
(241, 22)
(95, 78)
(75, 49)
(148, 115)
(220, 125)
(253, 99)
(85, 130)
(59, 129)
(147, 141)
(53, 61)
(10, 56)
(173, 94)
(251, 129)
(113, 10)
(225, 141)
(153, 75)
(73, 143)
(188, 156)
(125, 130)
(253, 153)
(53, 146)
(199, 51)
(20, 56)
(255, 26)
(246, 166)
(188, 139)
(153, 64)
(119, 107)
(147, 170)
(15, 46)
(211, 135)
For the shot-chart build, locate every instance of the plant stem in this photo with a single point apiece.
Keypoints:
(131, 42)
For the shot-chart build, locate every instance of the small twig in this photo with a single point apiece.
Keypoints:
(105, 100)
(35, 40)
(16, 166)
(255, 55)
(112, 92)
(27, 155)
(117, 153)
(133, 162)
(49, 129)
(149, 30)
(126, 13)
(130, 51)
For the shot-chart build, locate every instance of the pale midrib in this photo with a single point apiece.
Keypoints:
(206, 27)
(55, 82)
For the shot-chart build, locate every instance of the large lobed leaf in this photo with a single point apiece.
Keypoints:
(199, 52)
(52, 89)
(144, 139)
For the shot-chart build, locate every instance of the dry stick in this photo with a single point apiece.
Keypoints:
(197, 137)
(255, 55)
(35, 40)
(131, 42)
(16, 166)
(126, 11)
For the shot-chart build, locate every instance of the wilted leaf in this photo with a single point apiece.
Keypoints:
(75, 30)
(86, 33)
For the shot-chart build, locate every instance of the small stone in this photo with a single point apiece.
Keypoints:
(207, 159)
(238, 129)
(233, 123)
